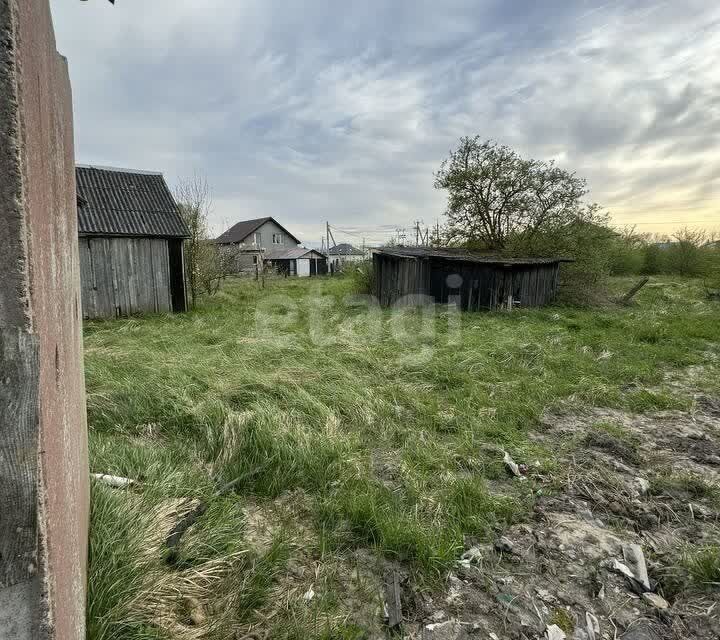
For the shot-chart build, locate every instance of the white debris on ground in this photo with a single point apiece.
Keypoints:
(596, 559)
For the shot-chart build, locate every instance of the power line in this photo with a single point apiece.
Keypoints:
(669, 207)
(364, 234)
(377, 229)
(668, 222)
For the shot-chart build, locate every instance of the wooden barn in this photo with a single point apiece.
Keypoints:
(416, 275)
(131, 243)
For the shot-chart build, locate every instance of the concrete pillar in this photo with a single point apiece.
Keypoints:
(43, 434)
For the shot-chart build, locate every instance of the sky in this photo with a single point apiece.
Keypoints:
(340, 112)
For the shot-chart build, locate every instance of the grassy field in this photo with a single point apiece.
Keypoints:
(347, 430)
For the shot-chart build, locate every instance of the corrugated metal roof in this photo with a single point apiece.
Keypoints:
(292, 254)
(123, 202)
(453, 253)
(240, 231)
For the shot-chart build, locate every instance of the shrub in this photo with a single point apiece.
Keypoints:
(626, 261)
(654, 260)
(685, 258)
(363, 276)
(203, 262)
(704, 566)
(626, 255)
(688, 254)
(712, 278)
(589, 244)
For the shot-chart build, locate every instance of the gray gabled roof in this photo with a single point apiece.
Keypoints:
(124, 202)
(292, 254)
(344, 249)
(238, 232)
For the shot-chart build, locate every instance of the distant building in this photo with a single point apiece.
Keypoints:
(342, 253)
(299, 262)
(131, 243)
(249, 240)
(409, 276)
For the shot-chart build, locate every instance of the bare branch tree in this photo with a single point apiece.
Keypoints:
(202, 259)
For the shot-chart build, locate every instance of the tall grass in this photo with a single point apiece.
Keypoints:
(385, 432)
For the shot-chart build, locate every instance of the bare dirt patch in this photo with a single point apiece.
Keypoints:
(623, 481)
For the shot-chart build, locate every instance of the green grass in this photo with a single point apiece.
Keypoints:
(686, 486)
(615, 440)
(388, 425)
(693, 569)
(704, 566)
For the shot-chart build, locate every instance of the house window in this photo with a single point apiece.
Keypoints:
(255, 259)
(277, 238)
(258, 239)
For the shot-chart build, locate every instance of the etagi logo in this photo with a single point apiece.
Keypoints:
(416, 324)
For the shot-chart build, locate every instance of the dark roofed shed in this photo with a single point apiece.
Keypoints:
(131, 243)
(297, 261)
(473, 281)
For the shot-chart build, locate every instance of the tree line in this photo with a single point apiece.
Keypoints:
(500, 202)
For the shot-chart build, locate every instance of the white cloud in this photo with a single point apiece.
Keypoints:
(315, 111)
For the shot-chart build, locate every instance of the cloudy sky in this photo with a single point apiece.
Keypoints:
(312, 111)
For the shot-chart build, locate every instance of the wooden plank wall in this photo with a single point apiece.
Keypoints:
(535, 285)
(479, 287)
(124, 276)
(399, 281)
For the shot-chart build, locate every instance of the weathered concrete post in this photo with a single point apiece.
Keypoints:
(43, 439)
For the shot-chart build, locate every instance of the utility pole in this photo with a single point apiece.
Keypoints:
(328, 235)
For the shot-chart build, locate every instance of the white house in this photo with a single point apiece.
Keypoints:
(343, 253)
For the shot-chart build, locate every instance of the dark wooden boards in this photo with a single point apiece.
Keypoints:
(125, 276)
(474, 286)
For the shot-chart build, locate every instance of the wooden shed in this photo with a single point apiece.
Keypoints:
(131, 243)
(416, 275)
(297, 261)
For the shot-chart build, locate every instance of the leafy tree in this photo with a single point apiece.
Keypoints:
(494, 195)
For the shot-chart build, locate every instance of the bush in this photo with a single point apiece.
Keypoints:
(363, 276)
(626, 261)
(712, 277)
(589, 244)
(685, 258)
(654, 260)
(626, 255)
